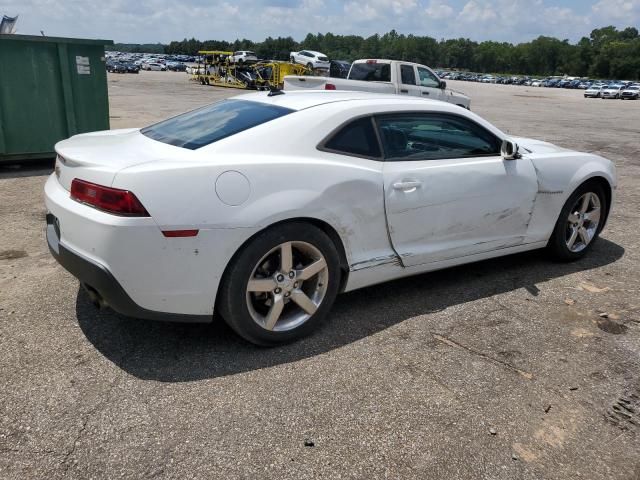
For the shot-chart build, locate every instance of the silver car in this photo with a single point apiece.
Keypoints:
(594, 91)
(612, 91)
(632, 92)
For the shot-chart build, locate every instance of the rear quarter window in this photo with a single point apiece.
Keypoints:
(357, 138)
(212, 123)
(372, 72)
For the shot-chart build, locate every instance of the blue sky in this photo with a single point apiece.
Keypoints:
(139, 21)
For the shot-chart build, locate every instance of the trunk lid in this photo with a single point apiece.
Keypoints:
(96, 157)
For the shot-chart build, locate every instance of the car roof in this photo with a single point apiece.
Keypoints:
(300, 100)
(313, 51)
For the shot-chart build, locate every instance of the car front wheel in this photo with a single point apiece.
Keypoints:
(579, 223)
(280, 286)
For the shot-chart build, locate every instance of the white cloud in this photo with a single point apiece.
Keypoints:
(439, 10)
(477, 11)
(627, 11)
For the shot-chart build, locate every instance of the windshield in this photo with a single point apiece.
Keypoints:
(214, 122)
(371, 72)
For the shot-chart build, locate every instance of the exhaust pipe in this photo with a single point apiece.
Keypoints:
(95, 297)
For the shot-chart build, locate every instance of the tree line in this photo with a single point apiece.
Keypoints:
(606, 53)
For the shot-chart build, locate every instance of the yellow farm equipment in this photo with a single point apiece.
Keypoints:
(220, 71)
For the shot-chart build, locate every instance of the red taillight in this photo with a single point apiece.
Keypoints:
(372, 61)
(329, 86)
(111, 200)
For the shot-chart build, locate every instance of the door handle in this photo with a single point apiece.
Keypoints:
(407, 186)
(425, 93)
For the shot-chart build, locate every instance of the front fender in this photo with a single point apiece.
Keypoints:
(559, 175)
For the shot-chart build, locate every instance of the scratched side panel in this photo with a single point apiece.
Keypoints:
(559, 174)
(461, 207)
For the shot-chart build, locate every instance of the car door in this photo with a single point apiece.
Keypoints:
(408, 84)
(429, 84)
(448, 192)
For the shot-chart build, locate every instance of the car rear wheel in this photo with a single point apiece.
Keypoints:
(281, 286)
(292, 60)
(579, 224)
(310, 66)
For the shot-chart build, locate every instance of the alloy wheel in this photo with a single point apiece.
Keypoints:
(582, 222)
(287, 286)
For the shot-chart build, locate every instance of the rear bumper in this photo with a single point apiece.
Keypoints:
(98, 279)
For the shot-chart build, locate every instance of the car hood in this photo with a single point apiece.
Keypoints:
(538, 146)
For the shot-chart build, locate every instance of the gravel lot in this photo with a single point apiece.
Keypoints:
(516, 368)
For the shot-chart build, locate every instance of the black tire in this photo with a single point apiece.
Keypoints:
(557, 245)
(310, 66)
(232, 295)
(292, 60)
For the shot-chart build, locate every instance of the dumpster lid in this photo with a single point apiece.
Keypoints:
(36, 38)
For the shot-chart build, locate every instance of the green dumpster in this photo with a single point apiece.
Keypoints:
(50, 88)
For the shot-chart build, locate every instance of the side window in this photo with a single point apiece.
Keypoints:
(427, 79)
(407, 75)
(356, 138)
(415, 136)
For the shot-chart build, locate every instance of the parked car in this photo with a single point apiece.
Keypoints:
(630, 93)
(243, 56)
(116, 67)
(311, 59)
(132, 67)
(176, 66)
(193, 219)
(611, 91)
(594, 91)
(154, 66)
(339, 68)
(384, 76)
(536, 83)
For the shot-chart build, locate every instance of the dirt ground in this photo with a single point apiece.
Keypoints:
(515, 368)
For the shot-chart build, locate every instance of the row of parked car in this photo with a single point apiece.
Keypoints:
(623, 91)
(120, 62)
(592, 88)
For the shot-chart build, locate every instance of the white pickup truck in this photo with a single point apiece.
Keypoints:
(384, 76)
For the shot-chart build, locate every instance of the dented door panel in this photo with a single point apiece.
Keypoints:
(459, 206)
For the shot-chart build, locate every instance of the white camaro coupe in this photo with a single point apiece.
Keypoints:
(263, 207)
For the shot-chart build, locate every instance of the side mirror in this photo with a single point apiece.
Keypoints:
(443, 84)
(509, 150)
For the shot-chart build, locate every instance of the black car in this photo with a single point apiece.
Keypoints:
(132, 68)
(176, 66)
(116, 67)
(339, 68)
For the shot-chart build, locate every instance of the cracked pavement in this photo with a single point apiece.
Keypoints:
(514, 368)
